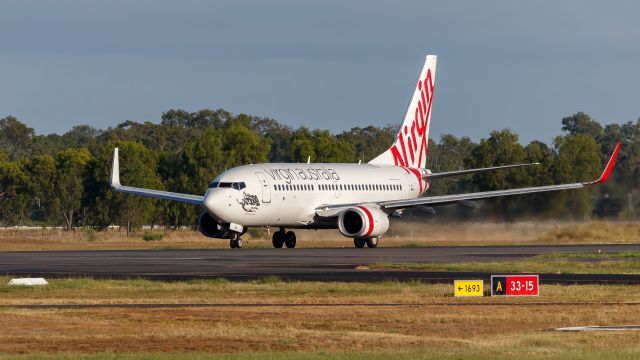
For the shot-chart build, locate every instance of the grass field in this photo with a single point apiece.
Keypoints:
(272, 319)
(402, 233)
(609, 263)
(327, 321)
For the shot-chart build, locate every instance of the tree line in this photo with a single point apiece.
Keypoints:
(62, 180)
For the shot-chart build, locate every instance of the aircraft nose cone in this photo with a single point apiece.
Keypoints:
(212, 202)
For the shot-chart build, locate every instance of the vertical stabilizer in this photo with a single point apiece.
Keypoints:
(410, 147)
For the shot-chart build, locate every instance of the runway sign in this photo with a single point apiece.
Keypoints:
(515, 285)
(465, 288)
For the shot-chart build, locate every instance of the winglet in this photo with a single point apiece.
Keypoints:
(607, 170)
(114, 181)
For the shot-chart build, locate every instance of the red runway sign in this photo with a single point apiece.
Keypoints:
(515, 285)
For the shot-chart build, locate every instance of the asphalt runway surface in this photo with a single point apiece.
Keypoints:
(321, 264)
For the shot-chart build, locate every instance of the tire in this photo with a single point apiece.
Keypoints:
(239, 243)
(278, 239)
(290, 239)
(233, 244)
(359, 243)
(372, 242)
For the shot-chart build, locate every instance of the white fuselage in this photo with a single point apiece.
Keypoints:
(287, 195)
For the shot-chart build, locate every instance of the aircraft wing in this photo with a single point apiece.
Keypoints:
(329, 211)
(114, 181)
(472, 171)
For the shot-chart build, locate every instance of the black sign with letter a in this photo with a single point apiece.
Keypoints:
(498, 285)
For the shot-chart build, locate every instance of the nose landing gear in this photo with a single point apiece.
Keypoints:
(281, 238)
(236, 242)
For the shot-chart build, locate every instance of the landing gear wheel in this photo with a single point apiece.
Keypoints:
(359, 243)
(278, 239)
(236, 243)
(372, 242)
(290, 239)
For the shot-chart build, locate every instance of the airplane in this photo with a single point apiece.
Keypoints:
(357, 199)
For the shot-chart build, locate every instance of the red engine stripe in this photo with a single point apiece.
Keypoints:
(369, 217)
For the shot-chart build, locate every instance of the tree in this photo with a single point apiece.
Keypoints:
(138, 167)
(15, 137)
(14, 192)
(243, 146)
(581, 123)
(501, 148)
(578, 160)
(370, 141)
(175, 118)
(278, 135)
(41, 170)
(330, 149)
(207, 118)
(449, 154)
(68, 183)
(302, 146)
(191, 172)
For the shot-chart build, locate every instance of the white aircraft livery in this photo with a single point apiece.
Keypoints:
(357, 199)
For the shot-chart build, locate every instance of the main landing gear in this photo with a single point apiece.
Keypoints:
(360, 242)
(281, 238)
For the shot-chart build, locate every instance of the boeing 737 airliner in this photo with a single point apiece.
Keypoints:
(357, 199)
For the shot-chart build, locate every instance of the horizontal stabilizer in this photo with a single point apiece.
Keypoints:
(473, 171)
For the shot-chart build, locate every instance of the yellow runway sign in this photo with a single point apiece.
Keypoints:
(468, 288)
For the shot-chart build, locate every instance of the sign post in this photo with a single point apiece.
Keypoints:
(515, 285)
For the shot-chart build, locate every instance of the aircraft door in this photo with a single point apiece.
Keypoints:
(266, 189)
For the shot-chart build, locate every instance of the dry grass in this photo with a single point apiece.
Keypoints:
(403, 233)
(611, 263)
(426, 323)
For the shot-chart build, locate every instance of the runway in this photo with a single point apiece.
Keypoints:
(325, 264)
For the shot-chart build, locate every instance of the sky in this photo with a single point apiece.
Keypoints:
(321, 64)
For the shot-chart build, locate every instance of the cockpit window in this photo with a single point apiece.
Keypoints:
(236, 185)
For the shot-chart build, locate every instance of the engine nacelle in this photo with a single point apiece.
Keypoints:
(209, 227)
(363, 222)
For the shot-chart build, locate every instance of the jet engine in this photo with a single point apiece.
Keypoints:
(363, 222)
(209, 227)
